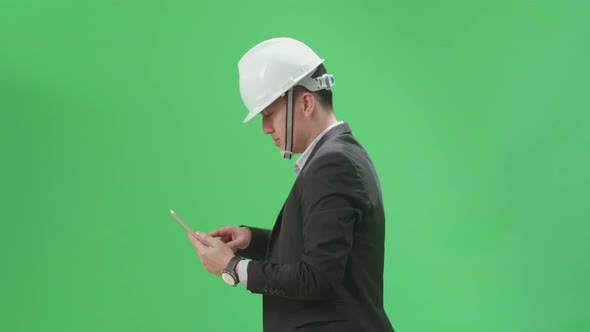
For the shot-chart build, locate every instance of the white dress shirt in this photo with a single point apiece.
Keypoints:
(242, 267)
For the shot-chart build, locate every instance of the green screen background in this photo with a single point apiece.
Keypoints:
(476, 114)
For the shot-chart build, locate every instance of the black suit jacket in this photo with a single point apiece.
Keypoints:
(321, 267)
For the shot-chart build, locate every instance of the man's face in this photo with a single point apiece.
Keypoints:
(273, 123)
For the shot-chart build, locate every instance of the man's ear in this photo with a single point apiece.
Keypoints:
(309, 102)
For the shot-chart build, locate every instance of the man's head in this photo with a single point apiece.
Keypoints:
(285, 80)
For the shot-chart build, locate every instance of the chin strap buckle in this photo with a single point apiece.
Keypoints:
(324, 82)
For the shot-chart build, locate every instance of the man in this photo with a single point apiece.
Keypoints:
(321, 266)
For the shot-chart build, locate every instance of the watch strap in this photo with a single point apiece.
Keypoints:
(230, 269)
(231, 266)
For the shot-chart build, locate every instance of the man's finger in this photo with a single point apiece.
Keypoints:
(233, 245)
(206, 239)
(196, 243)
(218, 232)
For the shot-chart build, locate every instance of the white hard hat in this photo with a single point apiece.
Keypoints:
(274, 66)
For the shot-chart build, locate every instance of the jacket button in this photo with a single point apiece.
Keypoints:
(265, 289)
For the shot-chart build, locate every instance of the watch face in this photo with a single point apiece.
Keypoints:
(228, 279)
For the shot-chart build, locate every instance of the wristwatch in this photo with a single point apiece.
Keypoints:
(229, 275)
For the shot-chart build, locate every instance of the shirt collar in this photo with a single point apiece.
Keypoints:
(298, 166)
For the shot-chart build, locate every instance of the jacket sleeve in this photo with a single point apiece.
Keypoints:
(333, 198)
(258, 244)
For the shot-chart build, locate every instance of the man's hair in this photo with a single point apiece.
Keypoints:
(323, 96)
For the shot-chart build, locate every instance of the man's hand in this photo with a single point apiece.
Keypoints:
(214, 254)
(235, 237)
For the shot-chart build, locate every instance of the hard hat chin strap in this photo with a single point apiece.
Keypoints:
(288, 152)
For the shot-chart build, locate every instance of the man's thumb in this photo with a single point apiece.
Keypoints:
(233, 245)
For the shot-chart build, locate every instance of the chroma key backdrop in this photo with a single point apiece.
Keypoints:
(475, 113)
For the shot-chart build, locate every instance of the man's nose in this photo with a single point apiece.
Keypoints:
(266, 127)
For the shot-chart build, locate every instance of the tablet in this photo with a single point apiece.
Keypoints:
(187, 227)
